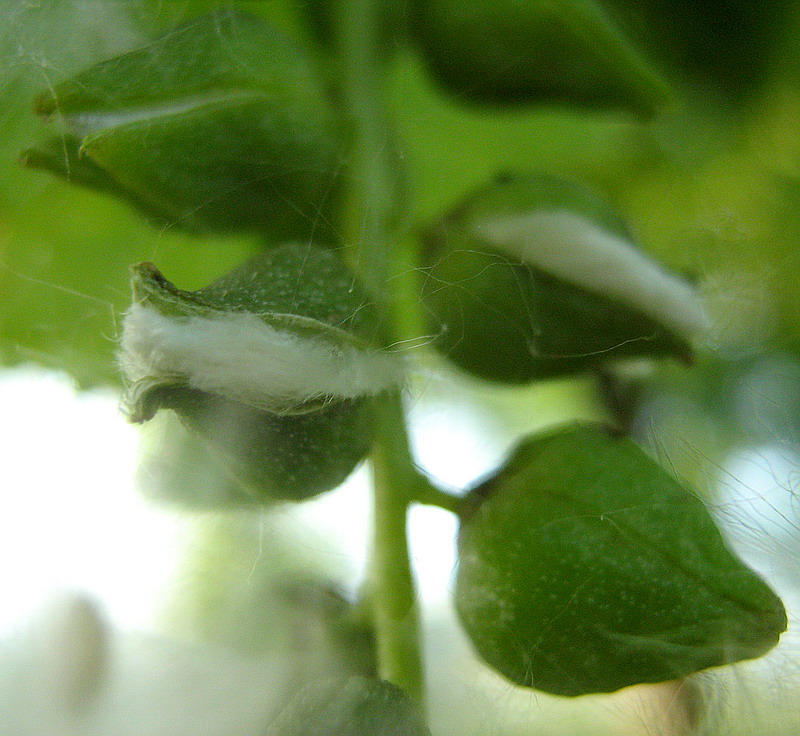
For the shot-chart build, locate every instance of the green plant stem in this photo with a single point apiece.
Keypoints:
(378, 221)
(430, 495)
(392, 584)
(376, 228)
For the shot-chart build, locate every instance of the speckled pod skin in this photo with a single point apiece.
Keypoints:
(584, 568)
(278, 449)
(503, 320)
(280, 457)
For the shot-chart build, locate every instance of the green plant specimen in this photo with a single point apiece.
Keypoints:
(584, 566)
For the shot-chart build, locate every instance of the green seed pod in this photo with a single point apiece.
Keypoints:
(511, 52)
(273, 364)
(355, 707)
(728, 45)
(534, 277)
(586, 568)
(220, 125)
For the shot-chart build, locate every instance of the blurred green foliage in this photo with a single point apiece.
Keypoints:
(709, 189)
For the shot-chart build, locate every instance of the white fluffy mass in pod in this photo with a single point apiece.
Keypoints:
(238, 356)
(574, 249)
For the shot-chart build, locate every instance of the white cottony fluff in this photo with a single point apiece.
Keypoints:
(240, 357)
(573, 248)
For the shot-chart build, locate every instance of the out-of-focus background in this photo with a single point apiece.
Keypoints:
(92, 505)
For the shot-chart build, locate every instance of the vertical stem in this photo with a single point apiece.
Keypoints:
(379, 188)
(392, 583)
(376, 230)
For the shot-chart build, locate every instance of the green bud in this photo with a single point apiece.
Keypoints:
(355, 707)
(538, 51)
(728, 45)
(274, 364)
(220, 125)
(533, 277)
(586, 568)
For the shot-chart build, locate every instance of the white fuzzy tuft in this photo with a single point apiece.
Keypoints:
(573, 248)
(240, 357)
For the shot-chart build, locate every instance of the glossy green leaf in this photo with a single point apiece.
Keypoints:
(584, 567)
(354, 707)
(221, 124)
(501, 315)
(237, 361)
(509, 52)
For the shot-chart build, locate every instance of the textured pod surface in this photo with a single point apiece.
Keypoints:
(289, 457)
(221, 124)
(355, 707)
(587, 568)
(509, 52)
(274, 365)
(533, 276)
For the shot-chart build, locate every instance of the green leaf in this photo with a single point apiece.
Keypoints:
(221, 124)
(584, 567)
(532, 277)
(510, 52)
(355, 707)
(273, 364)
